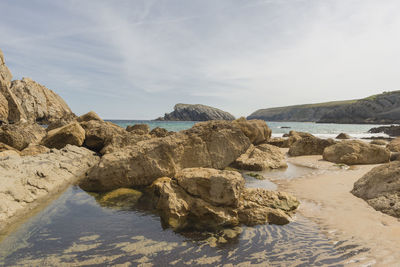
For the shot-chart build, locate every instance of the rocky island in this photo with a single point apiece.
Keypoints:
(197, 112)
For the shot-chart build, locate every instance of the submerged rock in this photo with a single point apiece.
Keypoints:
(261, 157)
(356, 152)
(20, 135)
(197, 112)
(120, 198)
(309, 146)
(380, 188)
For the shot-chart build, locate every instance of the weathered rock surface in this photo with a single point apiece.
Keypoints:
(139, 128)
(90, 116)
(71, 134)
(343, 136)
(4, 147)
(261, 157)
(181, 209)
(57, 124)
(279, 142)
(20, 135)
(160, 132)
(379, 142)
(187, 112)
(34, 149)
(394, 145)
(26, 181)
(356, 152)
(380, 188)
(256, 130)
(309, 146)
(214, 144)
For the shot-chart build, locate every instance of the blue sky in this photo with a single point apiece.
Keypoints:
(136, 59)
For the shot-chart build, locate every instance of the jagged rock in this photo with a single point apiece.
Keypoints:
(38, 103)
(380, 188)
(20, 135)
(26, 181)
(139, 129)
(379, 142)
(90, 116)
(261, 157)
(214, 144)
(356, 152)
(256, 130)
(309, 146)
(71, 134)
(394, 145)
(187, 112)
(33, 150)
(160, 132)
(343, 136)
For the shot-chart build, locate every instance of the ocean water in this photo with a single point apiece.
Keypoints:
(323, 130)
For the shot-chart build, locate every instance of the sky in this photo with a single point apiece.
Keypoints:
(135, 59)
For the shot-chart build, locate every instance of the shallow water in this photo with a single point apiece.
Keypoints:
(76, 230)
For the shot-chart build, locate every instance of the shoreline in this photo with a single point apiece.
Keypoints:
(326, 199)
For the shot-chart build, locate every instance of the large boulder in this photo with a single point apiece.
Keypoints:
(356, 152)
(380, 188)
(256, 130)
(71, 134)
(309, 146)
(261, 157)
(140, 128)
(213, 144)
(190, 207)
(20, 135)
(90, 116)
(394, 145)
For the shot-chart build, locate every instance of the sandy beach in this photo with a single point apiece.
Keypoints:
(326, 199)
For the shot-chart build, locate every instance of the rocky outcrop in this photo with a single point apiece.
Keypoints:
(261, 157)
(209, 199)
(26, 181)
(380, 188)
(20, 135)
(139, 128)
(309, 146)
(356, 152)
(377, 109)
(71, 134)
(214, 144)
(256, 130)
(187, 112)
(393, 130)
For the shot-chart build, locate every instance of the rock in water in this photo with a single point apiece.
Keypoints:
(214, 144)
(24, 181)
(187, 112)
(356, 152)
(309, 146)
(380, 188)
(261, 157)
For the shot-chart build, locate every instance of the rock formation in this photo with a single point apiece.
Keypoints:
(394, 145)
(256, 130)
(309, 146)
(27, 180)
(187, 112)
(380, 188)
(261, 157)
(393, 130)
(356, 152)
(20, 135)
(139, 128)
(343, 136)
(70, 134)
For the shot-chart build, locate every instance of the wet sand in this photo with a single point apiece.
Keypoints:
(326, 199)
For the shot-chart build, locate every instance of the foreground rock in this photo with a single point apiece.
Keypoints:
(394, 145)
(26, 181)
(71, 134)
(209, 199)
(187, 112)
(20, 135)
(356, 152)
(256, 130)
(214, 144)
(261, 157)
(380, 188)
(309, 146)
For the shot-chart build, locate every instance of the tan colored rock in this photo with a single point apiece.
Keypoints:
(4, 147)
(356, 152)
(261, 157)
(309, 146)
(214, 186)
(9, 153)
(139, 128)
(90, 116)
(100, 134)
(394, 145)
(279, 142)
(379, 142)
(380, 188)
(57, 124)
(38, 103)
(343, 136)
(3, 107)
(256, 130)
(34, 149)
(20, 135)
(25, 182)
(71, 134)
(212, 144)
(160, 132)
(120, 198)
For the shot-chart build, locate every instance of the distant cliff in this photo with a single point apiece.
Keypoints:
(187, 112)
(377, 109)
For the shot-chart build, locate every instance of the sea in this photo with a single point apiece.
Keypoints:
(76, 230)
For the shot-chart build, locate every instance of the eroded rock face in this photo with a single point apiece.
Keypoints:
(309, 146)
(20, 135)
(261, 157)
(181, 209)
(356, 152)
(38, 103)
(26, 180)
(197, 112)
(256, 130)
(214, 144)
(380, 188)
(71, 134)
